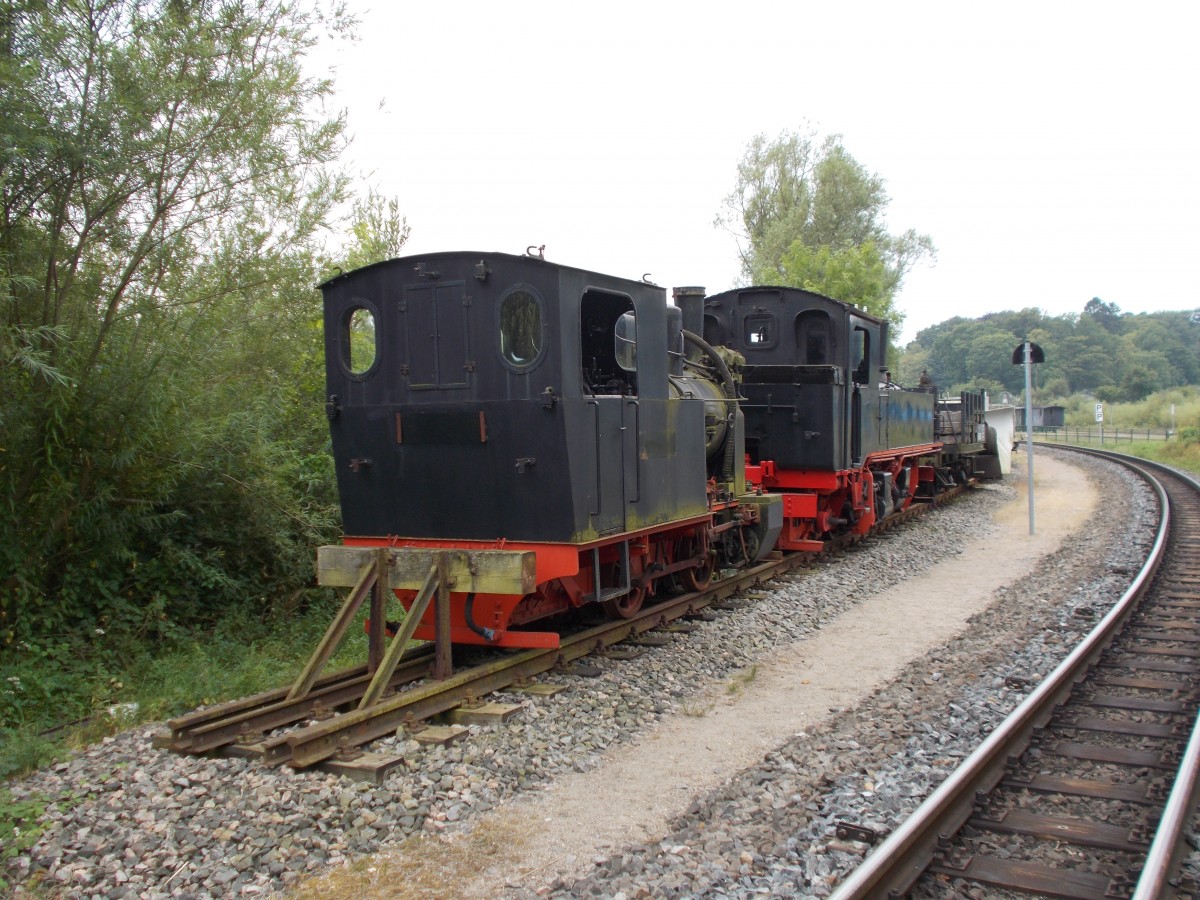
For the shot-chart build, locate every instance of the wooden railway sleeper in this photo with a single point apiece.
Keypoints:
(371, 571)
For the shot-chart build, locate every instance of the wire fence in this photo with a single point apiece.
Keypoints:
(1097, 435)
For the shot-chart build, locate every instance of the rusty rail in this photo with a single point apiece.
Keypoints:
(897, 863)
(374, 713)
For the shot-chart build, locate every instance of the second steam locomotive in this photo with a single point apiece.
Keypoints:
(575, 439)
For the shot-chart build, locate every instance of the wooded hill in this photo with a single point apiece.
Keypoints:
(1114, 356)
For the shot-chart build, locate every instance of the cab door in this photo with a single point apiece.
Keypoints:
(612, 399)
(608, 508)
(435, 329)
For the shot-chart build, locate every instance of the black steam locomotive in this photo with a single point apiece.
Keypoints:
(578, 440)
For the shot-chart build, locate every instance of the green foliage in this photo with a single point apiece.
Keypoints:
(22, 750)
(19, 827)
(167, 186)
(241, 656)
(40, 686)
(1126, 419)
(1106, 315)
(913, 361)
(809, 215)
(165, 189)
(857, 275)
(377, 230)
(108, 686)
(1152, 412)
(1117, 357)
(1173, 453)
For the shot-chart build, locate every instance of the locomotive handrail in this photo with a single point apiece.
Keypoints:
(595, 404)
(637, 447)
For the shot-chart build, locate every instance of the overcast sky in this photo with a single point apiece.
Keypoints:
(1049, 149)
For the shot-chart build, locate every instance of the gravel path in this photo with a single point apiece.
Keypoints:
(139, 822)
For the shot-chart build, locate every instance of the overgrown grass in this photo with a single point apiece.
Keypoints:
(19, 828)
(697, 709)
(1153, 412)
(1182, 454)
(92, 691)
(54, 699)
(1176, 408)
(1174, 453)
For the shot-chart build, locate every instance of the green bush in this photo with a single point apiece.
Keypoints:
(1152, 412)
(19, 828)
(95, 689)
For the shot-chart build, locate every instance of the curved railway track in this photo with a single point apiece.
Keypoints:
(1098, 765)
(323, 721)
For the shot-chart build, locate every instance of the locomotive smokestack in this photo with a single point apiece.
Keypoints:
(690, 301)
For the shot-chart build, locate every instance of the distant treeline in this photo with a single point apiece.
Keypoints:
(1112, 355)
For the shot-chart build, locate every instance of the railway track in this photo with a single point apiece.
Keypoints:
(1087, 788)
(323, 726)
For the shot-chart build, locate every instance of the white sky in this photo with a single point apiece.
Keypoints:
(1050, 149)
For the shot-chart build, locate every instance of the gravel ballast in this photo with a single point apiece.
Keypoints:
(140, 822)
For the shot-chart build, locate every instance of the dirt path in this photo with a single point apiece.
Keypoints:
(637, 789)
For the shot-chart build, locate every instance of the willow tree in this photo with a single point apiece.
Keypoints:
(807, 214)
(165, 175)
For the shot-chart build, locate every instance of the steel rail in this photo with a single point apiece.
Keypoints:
(209, 729)
(897, 863)
(309, 746)
(1166, 848)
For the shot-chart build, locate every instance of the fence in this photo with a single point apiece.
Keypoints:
(1096, 435)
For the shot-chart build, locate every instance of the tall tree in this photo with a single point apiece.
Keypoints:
(810, 215)
(1107, 315)
(377, 229)
(164, 179)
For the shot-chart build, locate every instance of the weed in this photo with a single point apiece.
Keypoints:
(742, 679)
(696, 709)
(1178, 453)
(22, 750)
(43, 689)
(19, 828)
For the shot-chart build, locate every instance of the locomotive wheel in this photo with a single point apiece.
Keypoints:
(699, 577)
(627, 605)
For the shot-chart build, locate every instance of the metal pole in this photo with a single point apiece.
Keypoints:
(1029, 424)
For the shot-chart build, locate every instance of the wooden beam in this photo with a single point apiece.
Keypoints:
(377, 631)
(443, 664)
(388, 665)
(365, 579)
(478, 571)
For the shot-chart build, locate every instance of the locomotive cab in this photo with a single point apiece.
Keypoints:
(824, 423)
(487, 402)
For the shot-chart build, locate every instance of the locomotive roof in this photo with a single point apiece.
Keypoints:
(788, 289)
(475, 255)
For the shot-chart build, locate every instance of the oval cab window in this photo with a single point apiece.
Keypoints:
(359, 347)
(520, 328)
